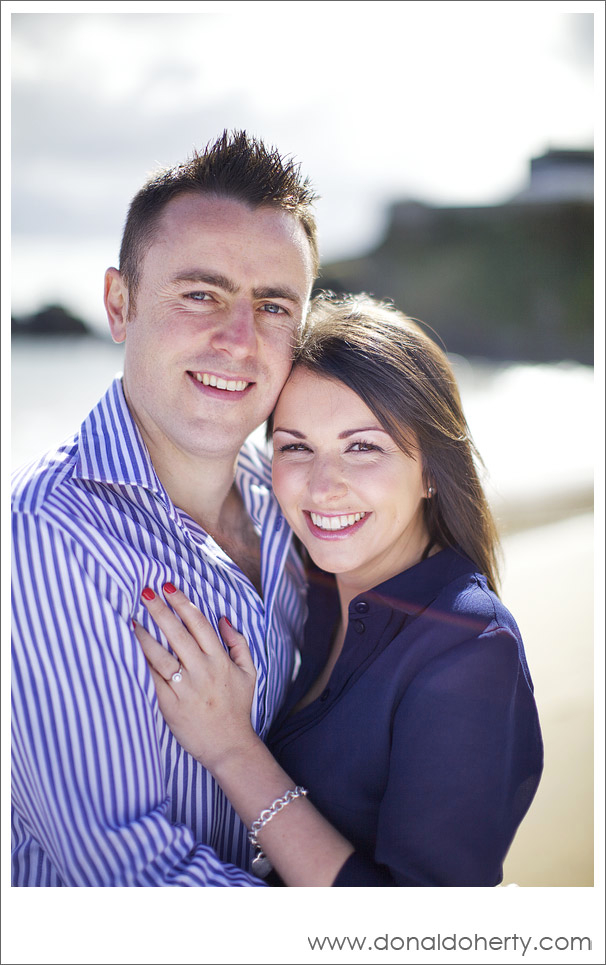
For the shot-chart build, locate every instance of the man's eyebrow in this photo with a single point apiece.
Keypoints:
(195, 277)
(279, 292)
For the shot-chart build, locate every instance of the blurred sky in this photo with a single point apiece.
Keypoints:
(443, 102)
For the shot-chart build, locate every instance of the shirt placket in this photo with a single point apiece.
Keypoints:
(275, 539)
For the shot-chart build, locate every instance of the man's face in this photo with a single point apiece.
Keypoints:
(222, 291)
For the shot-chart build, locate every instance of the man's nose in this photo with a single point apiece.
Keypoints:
(236, 332)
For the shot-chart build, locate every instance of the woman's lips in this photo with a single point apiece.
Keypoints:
(340, 531)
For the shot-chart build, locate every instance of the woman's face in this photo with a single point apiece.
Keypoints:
(350, 494)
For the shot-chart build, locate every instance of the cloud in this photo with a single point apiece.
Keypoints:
(397, 102)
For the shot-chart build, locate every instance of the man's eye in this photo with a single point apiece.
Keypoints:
(198, 296)
(272, 309)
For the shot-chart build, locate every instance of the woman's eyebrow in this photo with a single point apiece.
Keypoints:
(291, 432)
(342, 435)
(352, 432)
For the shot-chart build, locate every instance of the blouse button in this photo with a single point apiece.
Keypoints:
(362, 607)
(359, 626)
(325, 695)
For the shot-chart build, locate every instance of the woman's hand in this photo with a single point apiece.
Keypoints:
(208, 711)
(208, 707)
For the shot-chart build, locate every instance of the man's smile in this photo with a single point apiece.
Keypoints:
(219, 382)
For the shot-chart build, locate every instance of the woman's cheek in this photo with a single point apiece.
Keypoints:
(289, 487)
(282, 481)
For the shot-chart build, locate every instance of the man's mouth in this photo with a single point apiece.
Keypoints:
(334, 523)
(216, 382)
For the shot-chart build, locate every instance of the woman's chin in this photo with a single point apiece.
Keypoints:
(330, 559)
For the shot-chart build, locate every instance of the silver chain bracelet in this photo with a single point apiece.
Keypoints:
(261, 865)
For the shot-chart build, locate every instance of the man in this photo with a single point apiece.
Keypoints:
(216, 267)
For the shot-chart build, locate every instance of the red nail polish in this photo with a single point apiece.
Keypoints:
(134, 625)
(228, 622)
(169, 588)
(148, 594)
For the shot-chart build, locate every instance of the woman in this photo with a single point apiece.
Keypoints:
(412, 722)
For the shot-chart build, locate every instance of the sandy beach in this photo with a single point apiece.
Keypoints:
(548, 585)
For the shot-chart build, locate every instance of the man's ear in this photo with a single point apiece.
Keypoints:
(115, 296)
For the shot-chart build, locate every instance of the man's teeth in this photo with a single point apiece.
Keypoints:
(220, 383)
(335, 522)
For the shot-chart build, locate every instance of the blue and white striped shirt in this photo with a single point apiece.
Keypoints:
(102, 793)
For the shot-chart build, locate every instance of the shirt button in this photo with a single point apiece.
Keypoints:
(359, 626)
(278, 523)
(362, 607)
(325, 695)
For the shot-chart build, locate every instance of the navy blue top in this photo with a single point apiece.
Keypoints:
(424, 750)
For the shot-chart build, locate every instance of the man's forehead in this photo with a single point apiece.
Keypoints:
(218, 211)
(210, 228)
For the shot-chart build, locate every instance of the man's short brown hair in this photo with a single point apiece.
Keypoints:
(234, 166)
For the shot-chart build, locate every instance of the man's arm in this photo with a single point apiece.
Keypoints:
(89, 791)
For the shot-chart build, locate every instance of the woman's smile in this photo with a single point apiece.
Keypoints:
(334, 526)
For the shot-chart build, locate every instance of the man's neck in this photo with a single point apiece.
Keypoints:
(197, 483)
(199, 487)
(202, 485)
(206, 491)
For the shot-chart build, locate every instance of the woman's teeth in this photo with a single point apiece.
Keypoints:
(335, 522)
(216, 383)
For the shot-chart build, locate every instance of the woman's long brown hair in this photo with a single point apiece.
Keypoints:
(406, 380)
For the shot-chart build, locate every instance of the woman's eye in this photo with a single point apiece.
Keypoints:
(364, 447)
(294, 447)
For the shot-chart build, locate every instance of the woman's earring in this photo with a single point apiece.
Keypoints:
(430, 492)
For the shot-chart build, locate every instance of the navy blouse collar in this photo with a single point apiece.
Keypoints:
(410, 591)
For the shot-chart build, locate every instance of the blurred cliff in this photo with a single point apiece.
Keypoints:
(513, 281)
(507, 282)
(51, 320)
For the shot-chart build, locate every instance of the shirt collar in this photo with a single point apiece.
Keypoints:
(111, 450)
(253, 479)
(110, 446)
(412, 590)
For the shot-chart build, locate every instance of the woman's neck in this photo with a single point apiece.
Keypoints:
(350, 587)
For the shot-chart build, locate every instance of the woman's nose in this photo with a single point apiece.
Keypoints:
(327, 480)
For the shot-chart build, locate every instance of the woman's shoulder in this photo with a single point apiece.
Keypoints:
(446, 596)
(470, 595)
(462, 619)
(446, 580)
